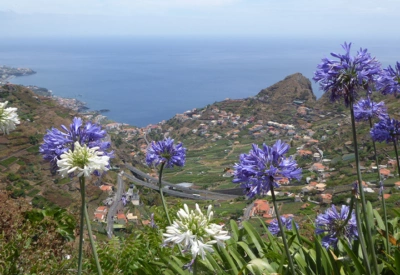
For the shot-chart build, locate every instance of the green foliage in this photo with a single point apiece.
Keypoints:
(13, 177)
(8, 161)
(40, 202)
(18, 193)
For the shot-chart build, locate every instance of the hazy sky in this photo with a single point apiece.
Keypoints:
(377, 18)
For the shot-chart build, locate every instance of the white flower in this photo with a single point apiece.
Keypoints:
(8, 118)
(195, 232)
(84, 160)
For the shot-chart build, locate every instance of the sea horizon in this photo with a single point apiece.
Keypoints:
(146, 80)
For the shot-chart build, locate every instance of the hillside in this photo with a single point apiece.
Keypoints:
(23, 171)
(215, 136)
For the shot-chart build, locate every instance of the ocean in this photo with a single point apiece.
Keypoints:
(145, 80)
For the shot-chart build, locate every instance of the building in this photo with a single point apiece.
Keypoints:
(262, 208)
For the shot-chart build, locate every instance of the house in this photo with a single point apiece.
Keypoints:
(135, 199)
(102, 210)
(98, 217)
(307, 189)
(121, 218)
(131, 218)
(392, 163)
(304, 153)
(261, 208)
(100, 213)
(384, 172)
(106, 188)
(228, 173)
(318, 167)
(397, 185)
(320, 187)
(326, 198)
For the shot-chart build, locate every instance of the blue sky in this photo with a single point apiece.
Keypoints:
(287, 18)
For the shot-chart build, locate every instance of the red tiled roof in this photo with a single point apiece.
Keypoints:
(384, 172)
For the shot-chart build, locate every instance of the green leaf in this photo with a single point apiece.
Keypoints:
(175, 264)
(397, 259)
(234, 230)
(247, 249)
(370, 214)
(379, 220)
(318, 256)
(228, 260)
(214, 264)
(356, 260)
(255, 237)
(238, 258)
(389, 266)
(260, 267)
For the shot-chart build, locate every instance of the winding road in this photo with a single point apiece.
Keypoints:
(117, 204)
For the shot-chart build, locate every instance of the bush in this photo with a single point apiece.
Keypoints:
(13, 177)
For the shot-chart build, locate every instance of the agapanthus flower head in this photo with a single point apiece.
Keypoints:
(58, 142)
(263, 167)
(166, 151)
(366, 109)
(388, 82)
(386, 130)
(331, 223)
(8, 118)
(82, 160)
(195, 231)
(286, 223)
(342, 78)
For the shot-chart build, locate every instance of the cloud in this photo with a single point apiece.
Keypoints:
(200, 17)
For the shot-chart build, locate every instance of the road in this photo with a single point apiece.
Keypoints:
(246, 214)
(185, 192)
(117, 204)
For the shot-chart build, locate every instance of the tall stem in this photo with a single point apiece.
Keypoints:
(89, 228)
(362, 196)
(82, 186)
(397, 156)
(361, 239)
(282, 232)
(161, 193)
(382, 196)
(195, 266)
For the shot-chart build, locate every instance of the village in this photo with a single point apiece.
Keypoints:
(314, 191)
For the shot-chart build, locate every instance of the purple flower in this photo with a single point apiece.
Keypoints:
(331, 223)
(286, 223)
(389, 80)
(152, 221)
(123, 199)
(380, 188)
(386, 130)
(166, 151)
(365, 109)
(264, 167)
(58, 142)
(343, 77)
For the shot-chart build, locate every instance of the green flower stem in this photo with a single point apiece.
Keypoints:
(383, 198)
(82, 186)
(195, 266)
(161, 193)
(361, 239)
(282, 232)
(89, 228)
(362, 196)
(349, 215)
(397, 156)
